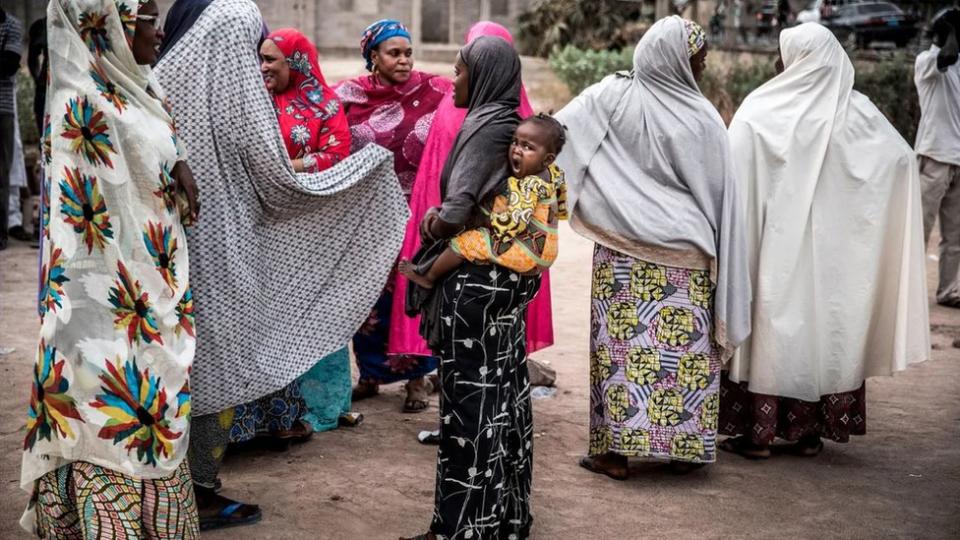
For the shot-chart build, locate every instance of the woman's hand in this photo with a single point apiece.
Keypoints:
(298, 165)
(187, 186)
(425, 224)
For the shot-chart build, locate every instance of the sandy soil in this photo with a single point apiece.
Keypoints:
(900, 481)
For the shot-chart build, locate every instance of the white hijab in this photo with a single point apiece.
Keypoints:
(835, 229)
(650, 174)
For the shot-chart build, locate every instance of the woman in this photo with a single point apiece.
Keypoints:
(651, 182)
(110, 404)
(286, 265)
(316, 137)
(835, 252)
(393, 107)
(404, 331)
(475, 324)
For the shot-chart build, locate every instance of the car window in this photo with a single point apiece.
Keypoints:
(878, 8)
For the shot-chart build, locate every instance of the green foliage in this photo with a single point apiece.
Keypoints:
(579, 68)
(28, 129)
(888, 82)
(586, 24)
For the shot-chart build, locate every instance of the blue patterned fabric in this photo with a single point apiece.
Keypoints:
(326, 391)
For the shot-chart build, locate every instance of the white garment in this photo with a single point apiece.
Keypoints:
(836, 232)
(18, 175)
(650, 173)
(938, 135)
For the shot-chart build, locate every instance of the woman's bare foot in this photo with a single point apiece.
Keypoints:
(609, 464)
(364, 390)
(409, 271)
(418, 393)
(218, 512)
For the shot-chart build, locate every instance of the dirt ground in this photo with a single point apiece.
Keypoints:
(902, 480)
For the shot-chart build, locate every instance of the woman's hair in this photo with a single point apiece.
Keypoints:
(553, 127)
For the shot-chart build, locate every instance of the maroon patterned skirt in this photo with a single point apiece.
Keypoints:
(761, 417)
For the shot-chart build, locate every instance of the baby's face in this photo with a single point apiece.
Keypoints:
(530, 151)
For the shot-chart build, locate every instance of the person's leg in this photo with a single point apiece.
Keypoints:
(446, 262)
(933, 186)
(6, 158)
(209, 437)
(478, 397)
(170, 507)
(948, 288)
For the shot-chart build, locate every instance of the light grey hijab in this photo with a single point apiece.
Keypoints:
(650, 174)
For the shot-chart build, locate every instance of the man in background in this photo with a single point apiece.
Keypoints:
(11, 48)
(937, 77)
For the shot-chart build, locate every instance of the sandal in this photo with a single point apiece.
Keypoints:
(299, 433)
(743, 447)
(417, 395)
(231, 514)
(804, 448)
(365, 390)
(424, 536)
(593, 465)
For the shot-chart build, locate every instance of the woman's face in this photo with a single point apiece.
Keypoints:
(148, 35)
(461, 84)
(274, 67)
(698, 63)
(393, 60)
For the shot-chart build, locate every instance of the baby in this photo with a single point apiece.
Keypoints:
(522, 235)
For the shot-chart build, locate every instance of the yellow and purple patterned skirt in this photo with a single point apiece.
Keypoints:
(654, 368)
(81, 501)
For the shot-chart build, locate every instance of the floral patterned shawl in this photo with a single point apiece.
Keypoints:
(111, 380)
(312, 122)
(397, 118)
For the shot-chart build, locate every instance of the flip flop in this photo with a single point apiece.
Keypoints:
(364, 391)
(799, 449)
(737, 445)
(229, 517)
(589, 463)
(431, 438)
(411, 405)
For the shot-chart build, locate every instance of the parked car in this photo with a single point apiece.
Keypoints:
(867, 22)
(767, 17)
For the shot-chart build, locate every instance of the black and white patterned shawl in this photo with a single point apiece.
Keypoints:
(285, 266)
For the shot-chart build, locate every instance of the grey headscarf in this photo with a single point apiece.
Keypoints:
(650, 174)
(477, 165)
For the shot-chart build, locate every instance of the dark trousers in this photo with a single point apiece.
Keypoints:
(6, 160)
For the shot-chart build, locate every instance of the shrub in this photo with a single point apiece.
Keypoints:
(28, 129)
(587, 24)
(579, 68)
(887, 81)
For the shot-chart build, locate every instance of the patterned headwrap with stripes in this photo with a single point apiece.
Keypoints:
(696, 37)
(377, 33)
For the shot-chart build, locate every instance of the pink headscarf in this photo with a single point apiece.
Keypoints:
(404, 331)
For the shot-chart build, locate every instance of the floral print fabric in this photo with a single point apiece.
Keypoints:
(312, 121)
(654, 368)
(111, 379)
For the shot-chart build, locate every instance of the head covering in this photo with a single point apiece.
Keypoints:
(650, 174)
(476, 167)
(696, 37)
(180, 18)
(116, 336)
(835, 229)
(404, 331)
(395, 116)
(312, 250)
(377, 33)
(312, 122)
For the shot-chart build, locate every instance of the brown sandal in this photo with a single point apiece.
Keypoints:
(364, 390)
(743, 447)
(418, 394)
(592, 464)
